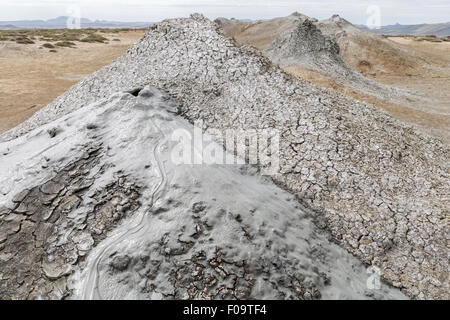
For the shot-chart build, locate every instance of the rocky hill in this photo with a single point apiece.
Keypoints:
(379, 187)
(259, 34)
(402, 79)
(306, 45)
(358, 45)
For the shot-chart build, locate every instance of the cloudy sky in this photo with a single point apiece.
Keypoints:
(392, 11)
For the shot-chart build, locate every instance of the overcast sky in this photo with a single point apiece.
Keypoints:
(392, 11)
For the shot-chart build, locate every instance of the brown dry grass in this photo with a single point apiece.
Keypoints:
(31, 77)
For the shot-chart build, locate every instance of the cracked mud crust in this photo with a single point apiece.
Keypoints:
(382, 188)
(48, 230)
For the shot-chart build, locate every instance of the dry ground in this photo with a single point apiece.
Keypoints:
(32, 76)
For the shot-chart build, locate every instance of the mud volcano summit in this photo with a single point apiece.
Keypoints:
(92, 207)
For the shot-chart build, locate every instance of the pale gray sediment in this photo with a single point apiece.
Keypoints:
(124, 222)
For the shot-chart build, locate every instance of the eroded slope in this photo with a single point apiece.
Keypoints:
(399, 79)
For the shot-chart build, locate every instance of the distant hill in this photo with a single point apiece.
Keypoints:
(438, 29)
(61, 22)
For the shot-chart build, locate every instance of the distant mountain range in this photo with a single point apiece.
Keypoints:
(437, 29)
(61, 22)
